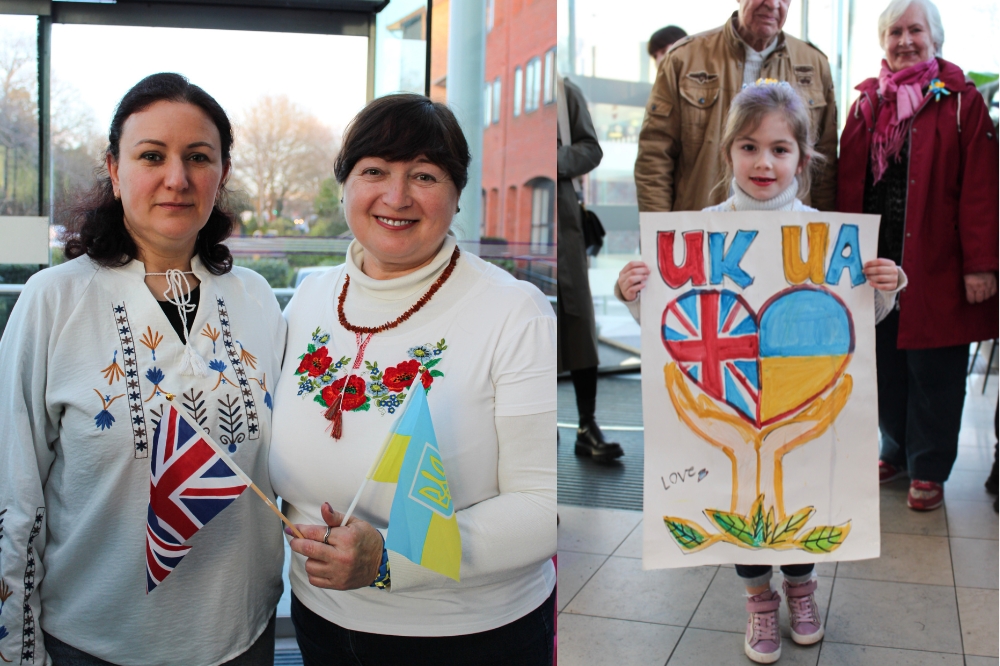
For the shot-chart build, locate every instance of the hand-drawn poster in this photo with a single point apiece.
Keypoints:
(758, 389)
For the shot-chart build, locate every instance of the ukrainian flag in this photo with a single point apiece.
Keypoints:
(422, 523)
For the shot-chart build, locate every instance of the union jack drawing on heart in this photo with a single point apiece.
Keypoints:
(713, 336)
(189, 484)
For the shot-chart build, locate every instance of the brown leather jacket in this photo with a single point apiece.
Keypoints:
(679, 164)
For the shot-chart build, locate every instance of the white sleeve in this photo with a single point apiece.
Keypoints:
(885, 301)
(633, 306)
(514, 531)
(26, 456)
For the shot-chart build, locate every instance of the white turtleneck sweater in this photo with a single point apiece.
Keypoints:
(492, 401)
(85, 361)
(740, 201)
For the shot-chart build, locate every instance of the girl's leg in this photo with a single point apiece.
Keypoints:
(762, 642)
(803, 613)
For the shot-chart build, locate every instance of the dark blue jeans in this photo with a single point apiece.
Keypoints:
(527, 641)
(921, 393)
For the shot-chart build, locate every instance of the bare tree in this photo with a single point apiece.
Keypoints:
(282, 154)
(18, 125)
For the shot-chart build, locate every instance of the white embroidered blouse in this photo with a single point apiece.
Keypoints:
(488, 342)
(85, 361)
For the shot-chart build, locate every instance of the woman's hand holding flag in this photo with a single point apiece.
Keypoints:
(339, 558)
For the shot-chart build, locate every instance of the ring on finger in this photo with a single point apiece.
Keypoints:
(326, 537)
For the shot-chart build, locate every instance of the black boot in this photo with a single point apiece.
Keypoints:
(590, 442)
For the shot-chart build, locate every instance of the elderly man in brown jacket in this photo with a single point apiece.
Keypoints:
(679, 164)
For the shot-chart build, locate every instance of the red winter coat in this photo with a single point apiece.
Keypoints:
(952, 214)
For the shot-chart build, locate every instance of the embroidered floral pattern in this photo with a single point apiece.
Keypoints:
(231, 423)
(211, 333)
(135, 404)
(114, 371)
(195, 406)
(104, 419)
(384, 389)
(152, 340)
(235, 360)
(154, 376)
(219, 366)
(28, 625)
(4, 596)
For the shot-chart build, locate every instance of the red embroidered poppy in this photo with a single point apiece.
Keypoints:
(354, 396)
(398, 378)
(426, 379)
(315, 363)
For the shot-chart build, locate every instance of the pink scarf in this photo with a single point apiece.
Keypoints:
(902, 94)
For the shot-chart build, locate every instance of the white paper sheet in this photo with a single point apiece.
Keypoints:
(758, 389)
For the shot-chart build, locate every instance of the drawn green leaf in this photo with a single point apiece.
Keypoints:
(363, 407)
(319, 398)
(431, 363)
(687, 534)
(758, 523)
(437, 373)
(825, 539)
(310, 348)
(785, 530)
(732, 524)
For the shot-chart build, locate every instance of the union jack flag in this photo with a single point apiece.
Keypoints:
(713, 336)
(189, 484)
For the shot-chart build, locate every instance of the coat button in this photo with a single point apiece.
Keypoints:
(701, 101)
(907, 234)
(653, 107)
(913, 182)
(810, 102)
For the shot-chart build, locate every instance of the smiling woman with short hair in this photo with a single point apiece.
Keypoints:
(148, 304)
(409, 311)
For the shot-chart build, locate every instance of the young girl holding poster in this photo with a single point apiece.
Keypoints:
(769, 152)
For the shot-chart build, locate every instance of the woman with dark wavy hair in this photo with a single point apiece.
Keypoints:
(148, 305)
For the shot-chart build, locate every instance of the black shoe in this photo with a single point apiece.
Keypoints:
(991, 483)
(590, 442)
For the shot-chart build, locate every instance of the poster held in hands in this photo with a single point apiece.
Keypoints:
(759, 389)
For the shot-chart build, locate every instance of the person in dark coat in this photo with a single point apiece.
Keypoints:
(920, 150)
(577, 346)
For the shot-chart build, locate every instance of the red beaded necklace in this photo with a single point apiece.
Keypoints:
(364, 334)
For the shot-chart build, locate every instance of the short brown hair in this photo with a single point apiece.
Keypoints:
(403, 127)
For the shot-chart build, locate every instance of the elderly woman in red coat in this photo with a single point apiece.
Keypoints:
(919, 149)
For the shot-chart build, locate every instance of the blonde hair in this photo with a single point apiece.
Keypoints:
(747, 111)
(897, 8)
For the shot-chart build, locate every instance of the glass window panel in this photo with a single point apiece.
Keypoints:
(550, 76)
(487, 103)
(518, 93)
(532, 84)
(496, 101)
(18, 115)
(400, 47)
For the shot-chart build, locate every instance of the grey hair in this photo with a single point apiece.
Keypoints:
(897, 8)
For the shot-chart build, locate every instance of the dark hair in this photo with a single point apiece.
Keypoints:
(96, 225)
(403, 127)
(664, 37)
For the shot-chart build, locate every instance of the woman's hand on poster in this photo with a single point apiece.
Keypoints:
(632, 279)
(980, 286)
(348, 560)
(882, 274)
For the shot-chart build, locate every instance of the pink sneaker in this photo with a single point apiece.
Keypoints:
(925, 495)
(803, 614)
(888, 472)
(763, 641)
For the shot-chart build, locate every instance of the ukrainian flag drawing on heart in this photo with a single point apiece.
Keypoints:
(768, 366)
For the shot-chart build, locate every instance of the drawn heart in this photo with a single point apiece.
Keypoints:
(764, 365)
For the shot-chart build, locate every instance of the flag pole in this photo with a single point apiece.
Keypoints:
(239, 472)
(381, 452)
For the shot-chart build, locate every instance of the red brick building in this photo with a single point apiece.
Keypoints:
(519, 137)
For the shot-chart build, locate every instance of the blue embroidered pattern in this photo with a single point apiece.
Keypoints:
(253, 425)
(28, 627)
(136, 412)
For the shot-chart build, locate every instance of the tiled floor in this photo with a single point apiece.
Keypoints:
(931, 599)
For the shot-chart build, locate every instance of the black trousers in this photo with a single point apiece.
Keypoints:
(921, 393)
(528, 641)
